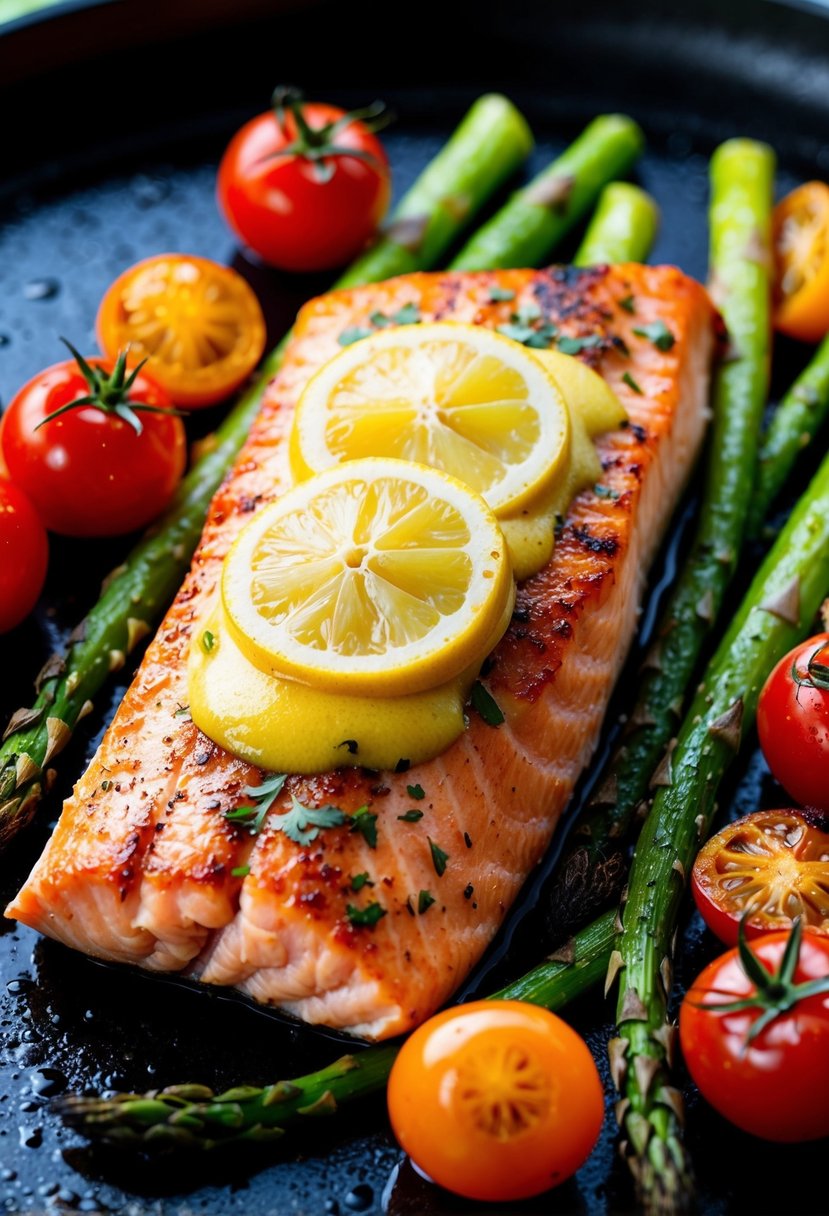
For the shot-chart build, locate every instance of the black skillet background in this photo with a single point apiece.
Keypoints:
(111, 158)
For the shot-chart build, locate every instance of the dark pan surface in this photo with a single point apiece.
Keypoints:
(102, 167)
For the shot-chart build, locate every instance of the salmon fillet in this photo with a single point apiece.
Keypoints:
(140, 868)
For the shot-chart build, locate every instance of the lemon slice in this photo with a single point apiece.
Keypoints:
(378, 576)
(456, 397)
(586, 393)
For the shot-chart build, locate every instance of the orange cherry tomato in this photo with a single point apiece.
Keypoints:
(772, 864)
(496, 1100)
(199, 324)
(801, 251)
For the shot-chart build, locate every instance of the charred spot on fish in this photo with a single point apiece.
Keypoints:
(608, 545)
(248, 503)
(639, 431)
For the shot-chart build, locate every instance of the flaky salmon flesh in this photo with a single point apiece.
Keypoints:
(144, 866)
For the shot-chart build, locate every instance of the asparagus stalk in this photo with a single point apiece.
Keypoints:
(741, 180)
(528, 227)
(623, 227)
(490, 143)
(193, 1116)
(794, 425)
(776, 613)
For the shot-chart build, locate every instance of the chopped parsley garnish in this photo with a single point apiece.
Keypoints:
(182, 711)
(537, 337)
(658, 333)
(605, 492)
(354, 333)
(409, 314)
(365, 823)
(631, 383)
(416, 791)
(303, 824)
(240, 872)
(627, 304)
(380, 320)
(105, 785)
(499, 294)
(424, 902)
(358, 881)
(411, 816)
(207, 641)
(351, 744)
(264, 795)
(483, 701)
(439, 858)
(366, 917)
(572, 346)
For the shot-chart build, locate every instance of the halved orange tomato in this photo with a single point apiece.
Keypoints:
(771, 865)
(198, 323)
(801, 252)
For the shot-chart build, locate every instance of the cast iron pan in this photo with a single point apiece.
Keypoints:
(114, 117)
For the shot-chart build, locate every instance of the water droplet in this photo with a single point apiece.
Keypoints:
(47, 1082)
(41, 289)
(5, 339)
(332, 1208)
(28, 1106)
(15, 987)
(7, 1175)
(65, 1197)
(359, 1198)
(48, 1188)
(89, 1015)
(30, 1137)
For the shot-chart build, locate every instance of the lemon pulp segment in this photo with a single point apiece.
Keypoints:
(378, 576)
(456, 397)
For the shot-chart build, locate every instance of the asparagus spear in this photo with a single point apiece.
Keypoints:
(741, 180)
(623, 227)
(528, 227)
(776, 613)
(193, 1116)
(794, 425)
(490, 143)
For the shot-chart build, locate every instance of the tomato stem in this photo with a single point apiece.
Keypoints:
(109, 393)
(319, 144)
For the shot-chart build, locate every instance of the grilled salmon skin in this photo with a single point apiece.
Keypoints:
(144, 865)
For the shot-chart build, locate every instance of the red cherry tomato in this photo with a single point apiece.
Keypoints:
(24, 553)
(773, 1086)
(304, 185)
(773, 865)
(793, 722)
(88, 470)
(496, 1100)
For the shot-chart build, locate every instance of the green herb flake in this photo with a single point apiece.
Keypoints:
(416, 791)
(354, 333)
(358, 881)
(264, 796)
(573, 346)
(182, 711)
(411, 816)
(208, 641)
(380, 320)
(605, 492)
(409, 314)
(527, 313)
(366, 917)
(303, 824)
(518, 333)
(657, 333)
(631, 383)
(627, 304)
(365, 823)
(424, 902)
(485, 704)
(240, 872)
(106, 785)
(439, 858)
(498, 295)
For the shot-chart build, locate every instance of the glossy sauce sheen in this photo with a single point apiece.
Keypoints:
(140, 871)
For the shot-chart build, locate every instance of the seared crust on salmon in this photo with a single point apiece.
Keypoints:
(144, 867)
